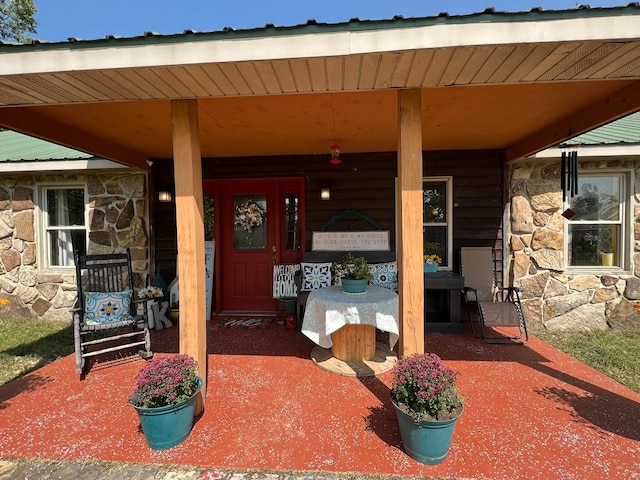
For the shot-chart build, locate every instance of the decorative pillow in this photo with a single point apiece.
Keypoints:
(103, 307)
(385, 274)
(315, 275)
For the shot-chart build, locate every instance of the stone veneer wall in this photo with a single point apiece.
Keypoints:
(117, 220)
(552, 298)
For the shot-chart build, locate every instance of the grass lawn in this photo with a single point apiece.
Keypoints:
(27, 345)
(614, 353)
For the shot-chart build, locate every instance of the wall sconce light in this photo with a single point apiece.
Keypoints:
(325, 192)
(164, 195)
(335, 155)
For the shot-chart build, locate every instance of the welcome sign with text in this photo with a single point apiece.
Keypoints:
(284, 283)
(351, 241)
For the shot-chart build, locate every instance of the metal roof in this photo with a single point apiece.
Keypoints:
(518, 82)
(18, 147)
(489, 14)
(623, 131)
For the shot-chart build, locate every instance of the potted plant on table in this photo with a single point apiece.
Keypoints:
(431, 263)
(432, 256)
(353, 273)
(165, 397)
(427, 405)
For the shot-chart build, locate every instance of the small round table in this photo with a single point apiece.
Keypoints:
(344, 328)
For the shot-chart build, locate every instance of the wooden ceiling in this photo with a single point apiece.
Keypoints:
(522, 97)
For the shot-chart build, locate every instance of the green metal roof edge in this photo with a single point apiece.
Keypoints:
(624, 131)
(489, 15)
(17, 147)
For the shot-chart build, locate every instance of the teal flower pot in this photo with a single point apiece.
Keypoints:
(166, 427)
(426, 442)
(430, 267)
(354, 286)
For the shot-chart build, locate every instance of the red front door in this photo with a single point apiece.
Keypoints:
(254, 228)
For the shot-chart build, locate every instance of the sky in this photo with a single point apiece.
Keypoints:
(59, 20)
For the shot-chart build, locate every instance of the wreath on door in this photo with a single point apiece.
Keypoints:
(249, 215)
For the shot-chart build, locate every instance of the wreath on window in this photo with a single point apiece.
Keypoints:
(249, 215)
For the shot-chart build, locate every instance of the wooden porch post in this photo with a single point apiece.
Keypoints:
(409, 214)
(190, 225)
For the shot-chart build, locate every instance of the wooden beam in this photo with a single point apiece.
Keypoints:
(605, 110)
(36, 125)
(190, 225)
(409, 213)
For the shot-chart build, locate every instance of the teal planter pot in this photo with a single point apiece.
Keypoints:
(354, 286)
(426, 442)
(166, 427)
(430, 267)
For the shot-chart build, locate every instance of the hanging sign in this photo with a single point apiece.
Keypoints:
(284, 281)
(351, 241)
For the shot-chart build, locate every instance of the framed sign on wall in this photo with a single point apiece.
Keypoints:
(351, 241)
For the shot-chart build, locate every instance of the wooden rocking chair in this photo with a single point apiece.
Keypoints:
(105, 319)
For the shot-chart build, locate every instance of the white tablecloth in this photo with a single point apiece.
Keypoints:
(329, 309)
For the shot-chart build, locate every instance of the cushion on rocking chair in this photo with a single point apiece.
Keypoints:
(101, 308)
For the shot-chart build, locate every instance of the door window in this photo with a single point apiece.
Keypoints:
(208, 217)
(292, 219)
(250, 222)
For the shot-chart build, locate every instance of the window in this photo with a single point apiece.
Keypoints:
(209, 216)
(250, 223)
(291, 220)
(596, 233)
(437, 218)
(63, 225)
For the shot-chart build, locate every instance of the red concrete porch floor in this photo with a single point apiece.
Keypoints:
(530, 412)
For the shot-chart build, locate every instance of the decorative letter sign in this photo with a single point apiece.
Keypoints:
(284, 284)
(351, 241)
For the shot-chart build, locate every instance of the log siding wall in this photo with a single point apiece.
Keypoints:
(365, 182)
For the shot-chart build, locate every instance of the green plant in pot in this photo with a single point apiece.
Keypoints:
(432, 257)
(165, 398)
(353, 273)
(427, 405)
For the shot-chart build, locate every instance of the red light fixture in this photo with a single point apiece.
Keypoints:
(335, 155)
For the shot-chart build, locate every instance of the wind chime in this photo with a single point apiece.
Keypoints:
(569, 179)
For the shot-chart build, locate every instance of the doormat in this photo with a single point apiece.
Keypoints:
(244, 322)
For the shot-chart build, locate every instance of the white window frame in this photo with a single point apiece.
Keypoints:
(449, 216)
(626, 230)
(42, 219)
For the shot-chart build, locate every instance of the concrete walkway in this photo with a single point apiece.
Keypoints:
(83, 470)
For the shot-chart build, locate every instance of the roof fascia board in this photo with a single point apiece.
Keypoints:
(464, 35)
(591, 151)
(603, 111)
(58, 165)
(317, 42)
(35, 125)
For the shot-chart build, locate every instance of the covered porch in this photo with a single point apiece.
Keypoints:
(514, 84)
(530, 412)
